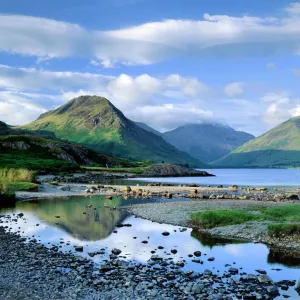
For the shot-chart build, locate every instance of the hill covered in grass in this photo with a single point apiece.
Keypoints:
(95, 123)
(29, 150)
(279, 147)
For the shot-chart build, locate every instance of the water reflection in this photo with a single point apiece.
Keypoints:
(85, 218)
(84, 221)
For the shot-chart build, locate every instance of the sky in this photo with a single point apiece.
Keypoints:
(163, 62)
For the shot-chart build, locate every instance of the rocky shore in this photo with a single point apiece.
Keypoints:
(179, 213)
(29, 270)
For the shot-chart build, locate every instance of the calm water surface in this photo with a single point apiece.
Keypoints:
(85, 221)
(245, 177)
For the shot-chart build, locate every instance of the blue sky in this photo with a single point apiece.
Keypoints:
(166, 63)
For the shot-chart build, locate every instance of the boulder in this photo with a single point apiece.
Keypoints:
(263, 278)
(116, 251)
(292, 197)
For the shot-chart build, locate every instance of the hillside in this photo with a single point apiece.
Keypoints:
(95, 123)
(148, 128)
(279, 147)
(21, 149)
(207, 142)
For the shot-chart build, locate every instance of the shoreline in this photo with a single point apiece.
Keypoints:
(178, 212)
(29, 270)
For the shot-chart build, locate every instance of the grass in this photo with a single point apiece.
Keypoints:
(10, 174)
(12, 180)
(280, 229)
(216, 218)
(283, 214)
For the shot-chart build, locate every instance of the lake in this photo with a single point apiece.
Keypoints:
(85, 221)
(241, 177)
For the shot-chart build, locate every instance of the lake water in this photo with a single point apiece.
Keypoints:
(244, 177)
(85, 221)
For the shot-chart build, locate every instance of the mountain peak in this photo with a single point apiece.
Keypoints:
(206, 141)
(96, 123)
(86, 112)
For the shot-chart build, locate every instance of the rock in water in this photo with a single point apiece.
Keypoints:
(116, 251)
(263, 278)
(166, 233)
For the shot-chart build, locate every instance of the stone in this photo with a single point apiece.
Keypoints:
(233, 270)
(197, 253)
(180, 263)
(263, 278)
(273, 290)
(116, 251)
(292, 197)
(174, 251)
(155, 258)
(207, 272)
(166, 233)
(261, 271)
(78, 248)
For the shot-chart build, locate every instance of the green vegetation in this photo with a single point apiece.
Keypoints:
(280, 229)
(12, 180)
(95, 123)
(279, 147)
(16, 175)
(287, 215)
(216, 218)
(34, 160)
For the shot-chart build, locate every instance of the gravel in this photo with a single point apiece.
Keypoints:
(179, 213)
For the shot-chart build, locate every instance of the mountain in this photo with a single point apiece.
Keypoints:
(279, 147)
(207, 142)
(95, 123)
(22, 149)
(148, 128)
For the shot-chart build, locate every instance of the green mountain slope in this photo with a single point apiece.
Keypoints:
(22, 149)
(207, 142)
(95, 123)
(279, 147)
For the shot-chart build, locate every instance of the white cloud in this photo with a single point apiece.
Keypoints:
(19, 108)
(280, 107)
(278, 97)
(213, 36)
(234, 89)
(169, 116)
(293, 8)
(126, 92)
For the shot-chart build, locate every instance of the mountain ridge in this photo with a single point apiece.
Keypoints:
(206, 141)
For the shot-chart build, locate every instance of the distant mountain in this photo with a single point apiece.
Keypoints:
(207, 142)
(95, 123)
(148, 128)
(279, 147)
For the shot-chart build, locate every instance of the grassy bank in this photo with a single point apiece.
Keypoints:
(287, 218)
(12, 180)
